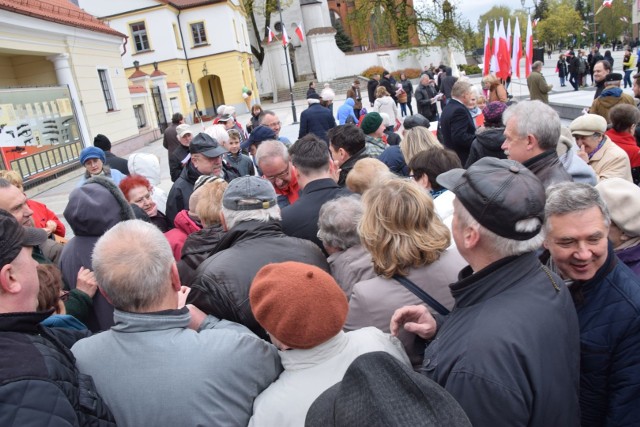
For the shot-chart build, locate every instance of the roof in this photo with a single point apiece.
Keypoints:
(138, 73)
(157, 73)
(185, 4)
(59, 11)
(137, 89)
(173, 85)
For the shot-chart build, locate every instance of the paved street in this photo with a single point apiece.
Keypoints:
(55, 193)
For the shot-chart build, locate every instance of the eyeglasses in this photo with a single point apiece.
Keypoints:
(281, 175)
(143, 198)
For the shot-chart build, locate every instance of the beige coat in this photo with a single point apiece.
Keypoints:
(374, 301)
(611, 161)
(351, 266)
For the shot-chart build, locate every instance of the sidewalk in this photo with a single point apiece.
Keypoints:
(55, 193)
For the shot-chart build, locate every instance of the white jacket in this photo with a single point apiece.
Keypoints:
(308, 373)
(148, 165)
(387, 105)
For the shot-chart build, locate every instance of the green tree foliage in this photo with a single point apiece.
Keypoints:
(382, 18)
(440, 27)
(265, 8)
(582, 9)
(562, 23)
(608, 21)
(541, 10)
(343, 41)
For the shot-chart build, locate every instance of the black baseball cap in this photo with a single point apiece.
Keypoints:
(13, 237)
(498, 193)
(206, 145)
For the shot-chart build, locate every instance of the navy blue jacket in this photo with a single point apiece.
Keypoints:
(608, 308)
(457, 129)
(316, 120)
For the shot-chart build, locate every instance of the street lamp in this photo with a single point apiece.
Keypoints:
(286, 58)
(535, 4)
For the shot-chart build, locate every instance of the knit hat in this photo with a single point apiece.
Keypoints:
(622, 198)
(371, 123)
(493, 113)
(89, 153)
(379, 390)
(300, 305)
(102, 142)
(204, 179)
(313, 98)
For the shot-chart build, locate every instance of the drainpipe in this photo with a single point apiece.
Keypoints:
(184, 48)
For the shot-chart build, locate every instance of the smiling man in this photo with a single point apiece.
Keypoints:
(606, 294)
(272, 158)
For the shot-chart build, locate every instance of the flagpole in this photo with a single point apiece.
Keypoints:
(286, 60)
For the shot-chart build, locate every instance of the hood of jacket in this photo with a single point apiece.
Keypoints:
(611, 91)
(350, 102)
(145, 164)
(184, 222)
(491, 138)
(96, 206)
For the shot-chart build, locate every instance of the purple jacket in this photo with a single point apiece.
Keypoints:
(631, 257)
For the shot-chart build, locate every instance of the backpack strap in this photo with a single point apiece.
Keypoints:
(423, 295)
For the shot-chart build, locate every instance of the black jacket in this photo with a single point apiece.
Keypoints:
(548, 168)
(372, 85)
(175, 162)
(562, 68)
(301, 218)
(387, 85)
(509, 350)
(488, 143)
(457, 129)
(39, 383)
(316, 120)
(115, 162)
(222, 282)
(346, 167)
(199, 246)
(423, 96)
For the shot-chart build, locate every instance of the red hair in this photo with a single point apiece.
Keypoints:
(133, 181)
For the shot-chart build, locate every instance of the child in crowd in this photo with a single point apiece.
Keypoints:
(238, 160)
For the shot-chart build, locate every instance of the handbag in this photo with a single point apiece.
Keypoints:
(423, 295)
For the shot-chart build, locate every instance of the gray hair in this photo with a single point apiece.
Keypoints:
(535, 118)
(569, 197)
(536, 65)
(132, 263)
(232, 218)
(460, 88)
(272, 149)
(218, 132)
(498, 245)
(338, 222)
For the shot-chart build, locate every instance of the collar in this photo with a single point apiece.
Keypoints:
(319, 184)
(600, 145)
(27, 322)
(297, 359)
(156, 321)
(539, 159)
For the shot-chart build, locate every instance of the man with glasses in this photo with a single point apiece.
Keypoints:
(597, 150)
(271, 120)
(272, 158)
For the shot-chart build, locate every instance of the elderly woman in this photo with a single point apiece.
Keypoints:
(495, 89)
(367, 173)
(623, 201)
(384, 103)
(405, 237)
(199, 245)
(624, 119)
(94, 161)
(350, 263)
(138, 191)
(490, 137)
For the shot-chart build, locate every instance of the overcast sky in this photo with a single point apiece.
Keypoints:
(472, 9)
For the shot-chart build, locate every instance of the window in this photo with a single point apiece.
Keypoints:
(176, 34)
(106, 89)
(139, 112)
(198, 33)
(140, 39)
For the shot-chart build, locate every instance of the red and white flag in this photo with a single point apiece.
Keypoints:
(516, 50)
(535, 22)
(605, 3)
(494, 56)
(300, 32)
(271, 35)
(509, 36)
(487, 49)
(285, 37)
(504, 61)
(528, 50)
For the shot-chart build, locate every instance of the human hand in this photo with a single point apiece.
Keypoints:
(86, 282)
(183, 293)
(415, 319)
(197, 317)
(51, 227)
(583, 154)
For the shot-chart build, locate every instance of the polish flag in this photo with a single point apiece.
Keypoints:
(271, 35)
(300, 32)
(494, 56)
(535, 22)
(509, 36)
(605, 3)
(285, 37)
(504, 62)
(516, 51)
(528, 50)
(487, 49)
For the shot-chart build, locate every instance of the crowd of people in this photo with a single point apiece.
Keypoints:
(380, 270)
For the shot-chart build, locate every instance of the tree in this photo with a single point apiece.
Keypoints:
(383, 18)
(608, 21)
(343, 41)
(562, 24)
(264, 8)
(541, 10)
(440, 25)
(582, 9)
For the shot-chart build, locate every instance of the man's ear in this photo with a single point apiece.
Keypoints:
(8, 282)
(471, 236)
(175, 277)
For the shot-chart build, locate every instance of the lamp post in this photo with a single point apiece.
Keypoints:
(286, 60)
(535, 4)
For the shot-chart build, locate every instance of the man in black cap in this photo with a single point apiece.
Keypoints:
(39, 383)
(316, 119)
(206, 159)
(113, 161)
(611, 96)
(509, 351)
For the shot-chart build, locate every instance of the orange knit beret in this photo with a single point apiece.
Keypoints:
(300, 305)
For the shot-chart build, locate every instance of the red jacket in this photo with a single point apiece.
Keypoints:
(627, 142)
(177, 236)
(42, 214)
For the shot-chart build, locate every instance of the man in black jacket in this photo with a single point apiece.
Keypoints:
(113, 161)
(389, 84)
(180, 156)
(316, 119)
(492, 351)
(315, 171)
(39, 382)
(372, 85)
(456, 128)
(347, 146)
(425, 94)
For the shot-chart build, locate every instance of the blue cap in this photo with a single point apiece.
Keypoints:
(259, 134)
(92, 153)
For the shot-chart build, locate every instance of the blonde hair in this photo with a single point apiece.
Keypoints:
(400, 229)
(210, 202)
(381, 91)
(415, 140)
(13, 177)
(366, 173)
